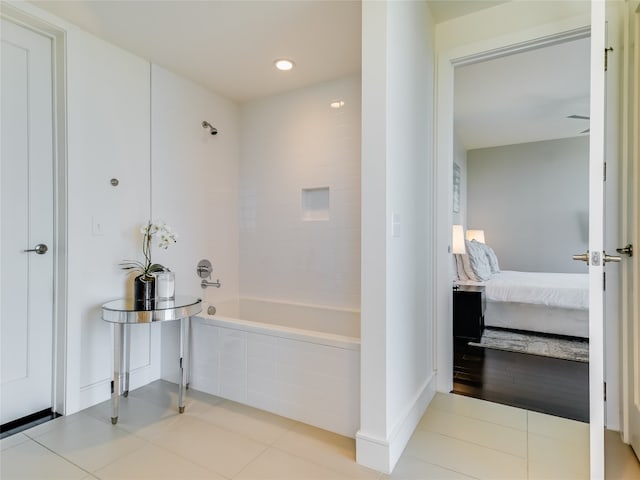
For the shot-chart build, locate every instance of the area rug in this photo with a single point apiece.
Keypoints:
(547, 346)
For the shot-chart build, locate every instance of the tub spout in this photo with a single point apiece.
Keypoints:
(205, 284)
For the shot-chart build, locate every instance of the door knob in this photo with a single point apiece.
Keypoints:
(583, 257)
(40, 249)
(611, 258)
(628, 250)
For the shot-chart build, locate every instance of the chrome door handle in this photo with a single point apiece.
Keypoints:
(40, 249)
(583, 257)
(611, 258)
(628, 250)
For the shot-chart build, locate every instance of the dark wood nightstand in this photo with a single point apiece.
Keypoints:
(468, 312)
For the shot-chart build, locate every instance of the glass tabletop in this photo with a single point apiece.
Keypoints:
(126, 310)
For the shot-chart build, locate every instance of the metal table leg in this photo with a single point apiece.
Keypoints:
(126, 355)
(118, 344)
(184, 361)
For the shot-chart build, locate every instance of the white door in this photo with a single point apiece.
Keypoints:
(26, 206)
(631, 234)
(596, 240)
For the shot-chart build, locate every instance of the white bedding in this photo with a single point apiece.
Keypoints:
(564, 290)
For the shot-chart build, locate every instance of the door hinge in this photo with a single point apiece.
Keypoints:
(605, 391)
(604, 171)
(606, 57)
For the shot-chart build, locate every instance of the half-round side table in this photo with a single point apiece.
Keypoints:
(125, 312)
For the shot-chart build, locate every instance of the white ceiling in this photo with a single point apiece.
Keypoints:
(524, 97)
(229, 47)
(443, 10)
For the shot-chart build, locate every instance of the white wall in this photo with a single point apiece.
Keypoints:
(532, 201)
(195, 182)
(108, 137)
(291, 142)
(397, 163)
(509, 20)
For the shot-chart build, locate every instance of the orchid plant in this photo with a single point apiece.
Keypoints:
(159, 231)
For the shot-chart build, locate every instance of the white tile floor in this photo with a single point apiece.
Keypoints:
(458, 438)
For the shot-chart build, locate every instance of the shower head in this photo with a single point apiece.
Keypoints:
(212, 130)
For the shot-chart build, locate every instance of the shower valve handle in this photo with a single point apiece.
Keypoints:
(204, 269)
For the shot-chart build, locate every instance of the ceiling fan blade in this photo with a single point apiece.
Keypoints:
(579, 117)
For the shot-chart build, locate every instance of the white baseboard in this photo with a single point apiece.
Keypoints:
(382, 454)
(98, 392)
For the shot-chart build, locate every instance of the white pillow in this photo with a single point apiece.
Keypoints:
(493, 259)
(466, 267)
(478, 260)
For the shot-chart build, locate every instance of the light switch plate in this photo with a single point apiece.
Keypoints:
(97, 227)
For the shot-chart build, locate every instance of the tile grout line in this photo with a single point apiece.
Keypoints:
(469, 442)
(517, 409)
(249, 463)
(62, 457)
(444, 468)
(476, 419)
(318, 464)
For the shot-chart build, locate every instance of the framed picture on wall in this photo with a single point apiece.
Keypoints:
(456, 188)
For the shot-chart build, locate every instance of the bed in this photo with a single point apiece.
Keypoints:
(553, 303)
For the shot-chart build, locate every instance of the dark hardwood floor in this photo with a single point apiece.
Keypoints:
(542, 384)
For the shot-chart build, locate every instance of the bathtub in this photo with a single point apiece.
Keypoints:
(298, 361)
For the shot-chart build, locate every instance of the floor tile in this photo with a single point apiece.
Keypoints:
(212, 447)
(153, 462)
(165, 394)
(620, 461)
(89, 443)
(557, 427)
(326, 448)
(31, 461)
(411, 468)
(458, 438)
(43, 428)
(555, 458)
(275, 464)
(13, 440)
(487, 411)
(133, 413)
(466, 458)
(487, 434)
(256, 424)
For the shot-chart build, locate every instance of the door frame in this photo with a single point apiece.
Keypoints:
(447, 61)
(630, 230)
(548, 34)
(59, 247)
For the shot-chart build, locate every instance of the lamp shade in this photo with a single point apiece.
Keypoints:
(477, 235)
(458, 240)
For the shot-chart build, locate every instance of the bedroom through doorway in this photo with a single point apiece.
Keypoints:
(520, 213)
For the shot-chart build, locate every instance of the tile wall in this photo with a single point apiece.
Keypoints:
(292, 143)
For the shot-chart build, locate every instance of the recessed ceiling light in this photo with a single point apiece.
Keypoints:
(283, 64)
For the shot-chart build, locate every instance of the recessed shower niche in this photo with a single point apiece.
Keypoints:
(315, 204)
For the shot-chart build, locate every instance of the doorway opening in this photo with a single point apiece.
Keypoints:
(521, 168)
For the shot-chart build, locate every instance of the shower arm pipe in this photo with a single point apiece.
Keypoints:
(205, 284)
(212, 130)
